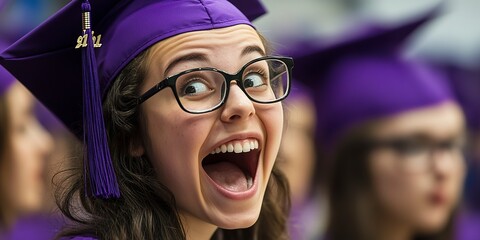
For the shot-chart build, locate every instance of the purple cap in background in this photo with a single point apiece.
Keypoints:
(365, 77)
(252, 9)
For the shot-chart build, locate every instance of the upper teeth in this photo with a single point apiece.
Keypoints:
(237, 146)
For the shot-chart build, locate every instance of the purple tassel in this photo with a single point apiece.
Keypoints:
(103, 182)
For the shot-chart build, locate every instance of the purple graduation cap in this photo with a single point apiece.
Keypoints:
(251, 9)
(366, 77)
(466, 86)
(6, 79)
(85, 46)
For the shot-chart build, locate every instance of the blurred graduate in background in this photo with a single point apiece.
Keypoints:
(298, 160)
(466, 85)
(25, 148)
(391, 136)
(34, 146)
(451, 46)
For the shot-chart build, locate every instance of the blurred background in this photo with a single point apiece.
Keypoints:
(451, 41)
(452, 37)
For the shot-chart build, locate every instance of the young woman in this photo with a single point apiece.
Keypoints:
(393, 135)
(24, 149)
(405, 182)
(193, 118)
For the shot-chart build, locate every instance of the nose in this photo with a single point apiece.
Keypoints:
(444, 162)
(237, 106)
(44, 140)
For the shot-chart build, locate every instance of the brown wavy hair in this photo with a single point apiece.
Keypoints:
(4, 145)
(146, 208)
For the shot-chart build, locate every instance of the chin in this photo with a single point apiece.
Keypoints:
(31, 206)
(238, 223)
(434, 222)
(238, 220)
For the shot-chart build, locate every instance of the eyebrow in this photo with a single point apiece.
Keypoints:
(201, 57)
(252, 49)
(186, 58)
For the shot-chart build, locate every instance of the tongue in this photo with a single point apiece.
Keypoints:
(227, 175)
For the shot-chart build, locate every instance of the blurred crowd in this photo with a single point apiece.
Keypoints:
(382, 138)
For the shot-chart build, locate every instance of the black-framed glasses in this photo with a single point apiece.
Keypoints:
(201, 90)
(415, 154)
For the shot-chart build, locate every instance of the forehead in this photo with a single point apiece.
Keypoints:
(233, 38)
(439, 121)
(19, 99)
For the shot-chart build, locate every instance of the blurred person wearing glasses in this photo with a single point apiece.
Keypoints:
(392, 134)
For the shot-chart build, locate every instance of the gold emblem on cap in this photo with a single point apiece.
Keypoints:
(82, 40)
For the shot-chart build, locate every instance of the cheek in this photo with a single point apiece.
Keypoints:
(397, 193)
(452, 186)
(26, 174)
(271, 116)
(173, 145)
(457, 178)
(27, 165)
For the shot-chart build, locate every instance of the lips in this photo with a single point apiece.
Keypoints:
(437, 198)
(233, 165)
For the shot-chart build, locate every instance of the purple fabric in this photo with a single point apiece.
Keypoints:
(468, 226)
(364, 77)
(54, 65)
(38, 227)
(252, 9)
(308, 220)
(312, 59)
(47, 119)
(363, 88)
(466, 84)
(103, 180)
(80, 238)
(6, 79)
(299, 91)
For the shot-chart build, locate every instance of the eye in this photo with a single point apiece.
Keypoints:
(409, 147)
(194, 87)
(453, 144)
(253, 80)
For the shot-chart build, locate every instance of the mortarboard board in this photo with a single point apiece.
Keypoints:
(47, 62)
(365, 77)
(251, 9)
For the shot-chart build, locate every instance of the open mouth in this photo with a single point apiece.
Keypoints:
(233, 165)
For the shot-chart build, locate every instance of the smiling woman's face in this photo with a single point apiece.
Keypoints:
(223, 189)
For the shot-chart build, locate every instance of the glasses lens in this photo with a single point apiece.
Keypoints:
(200, 91)
(266, 80)
(414, 154)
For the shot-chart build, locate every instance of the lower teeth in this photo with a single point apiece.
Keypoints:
(249, 182)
